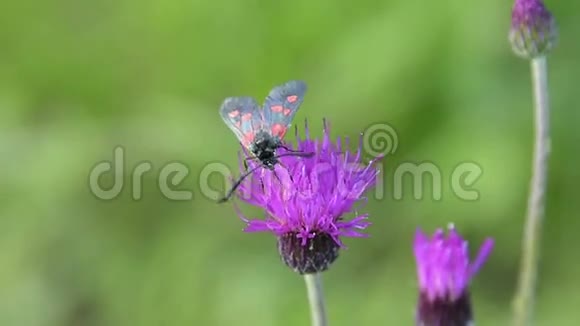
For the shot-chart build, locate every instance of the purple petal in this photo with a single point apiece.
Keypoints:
(484, 252)
(443, 267)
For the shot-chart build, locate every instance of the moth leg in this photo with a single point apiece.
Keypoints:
(236, 185)
(248, 159)
(289, 150)
(297, 153)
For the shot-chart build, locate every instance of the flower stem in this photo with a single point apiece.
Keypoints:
(524, 300)
(316, 299)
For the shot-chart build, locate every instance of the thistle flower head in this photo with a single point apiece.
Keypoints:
(533, 30)
(445, 271)
(306, 200)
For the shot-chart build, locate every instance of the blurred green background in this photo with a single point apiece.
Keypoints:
(79, 78)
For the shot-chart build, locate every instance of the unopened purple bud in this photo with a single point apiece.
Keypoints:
(533, 32)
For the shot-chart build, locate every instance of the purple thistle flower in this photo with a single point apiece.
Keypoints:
(444, 271)
(306, 200)
(533, 30)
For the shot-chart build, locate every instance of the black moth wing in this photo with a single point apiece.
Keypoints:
(243, 116)
(281, 106)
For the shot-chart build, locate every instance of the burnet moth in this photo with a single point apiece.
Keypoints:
(261, 131)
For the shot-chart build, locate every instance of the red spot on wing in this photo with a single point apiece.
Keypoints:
(287, 111)
(279, 130)
(248, 138)
(246, 117)
(234, 113)
(277, 108)
(292, 98)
